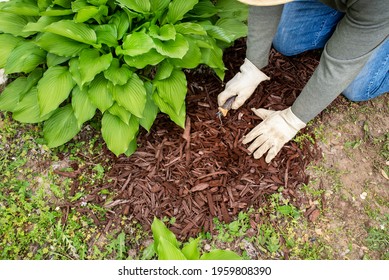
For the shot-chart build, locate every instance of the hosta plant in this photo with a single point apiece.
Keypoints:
(166, 247)
(121, 59)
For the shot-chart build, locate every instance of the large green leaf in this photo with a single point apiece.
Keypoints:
(120, 112)
(85, 13)
(17, 89)
(131, 96)
(173, 48)
(137, 43)
(61, 127)
(131, 149)
(7, 42)
(213, 57)
(218, 254)
(140, 6)
(91, 64)
(178, 8)
(60, 45)
(159, 5)
(100, 93)
(76, 31)
(204, 9)
(40, 24)
(151, 109)
(54, 87)
(164, 71)
(178, 118)
(21, 7)
(25, 58)
(13, 24)
(191, 59)
(122, 22)
(117, 134)
(27, 110)
(164, 33)
(190, 28)
(167, 251)
(73, 69)
(191, 250)
(232, 9)
(161, 231)
(107, 34)
(117, 74)
(53, 59)
(141, 61)
(234, 27)
(83, 108)
(173, 89)
(56, 12)
(217, 32)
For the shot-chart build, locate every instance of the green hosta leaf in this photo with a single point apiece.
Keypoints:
(7, 42)
(100, 93)
(178, 8)
(61, 127)
(122, 23)
(159, 5)
(53, 59)
(173, 90)
(178, 118)
(140, 6)
(86, 13)
(13, 24)
(164, 71)
(11, 95)
(91, 64)
(54, 87)
(120, 112)
(56, 12)
(137, 43)
(76, 31)
(151, 109)
(44, 4)
(27, 110)
(21, 7)
(59, 45)
(131, 96)
(40, 24)
(107, 34)
(83, 108)
(167, 251)
(117, 74)
(173, 48)
(63, 3)
(232, 9)
(204, 9)
(217, 32)
(73, 69)
(164, 33)
(25, 58)
(220, 255)
(190, 28)
(191, 59)
(141, 61)
(191, 250)
(131, 149)
(214, 59)
(161, 231)
(234, 27)
(117, 134)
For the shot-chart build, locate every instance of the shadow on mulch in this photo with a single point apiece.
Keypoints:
(204, 171)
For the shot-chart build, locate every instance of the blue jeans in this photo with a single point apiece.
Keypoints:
(308, 24)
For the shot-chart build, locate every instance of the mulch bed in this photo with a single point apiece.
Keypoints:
(204, 171)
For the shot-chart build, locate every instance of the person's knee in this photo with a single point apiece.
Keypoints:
(282, 44)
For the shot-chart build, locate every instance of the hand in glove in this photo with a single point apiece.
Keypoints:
(242, 85)
(276, 129)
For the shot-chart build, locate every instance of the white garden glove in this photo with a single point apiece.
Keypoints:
(276, 129)
(3, 76)
(242, 85)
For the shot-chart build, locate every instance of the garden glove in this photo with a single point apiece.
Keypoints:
(3, 77)
(242, 85)
(276, 129)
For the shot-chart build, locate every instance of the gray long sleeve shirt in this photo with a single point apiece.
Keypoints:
(363, 28)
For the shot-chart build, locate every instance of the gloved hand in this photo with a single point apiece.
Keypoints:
(242, 85)
(3, 77)
(276, 129)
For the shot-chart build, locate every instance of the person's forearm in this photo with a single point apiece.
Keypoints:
(262, 24)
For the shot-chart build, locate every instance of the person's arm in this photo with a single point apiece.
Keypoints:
(262, 27)
(364, 27)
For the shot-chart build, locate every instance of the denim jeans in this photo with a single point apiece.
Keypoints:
(308, 24)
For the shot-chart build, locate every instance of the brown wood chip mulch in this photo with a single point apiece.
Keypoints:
(204, 171)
